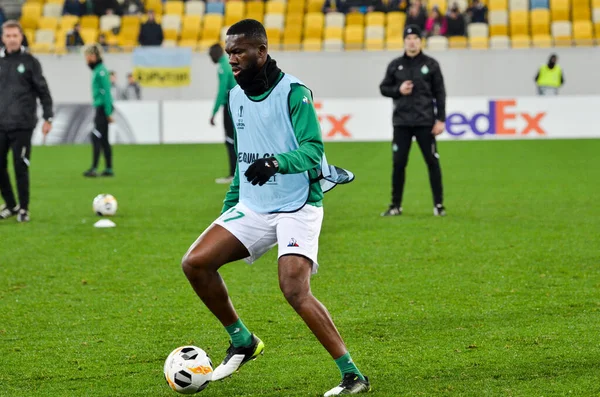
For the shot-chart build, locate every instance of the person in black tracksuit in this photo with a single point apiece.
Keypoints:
(21, 84)
(415, 82)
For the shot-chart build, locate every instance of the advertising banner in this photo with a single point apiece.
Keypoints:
(162, 67)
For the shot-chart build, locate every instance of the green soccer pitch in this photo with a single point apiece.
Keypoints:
(499, 298)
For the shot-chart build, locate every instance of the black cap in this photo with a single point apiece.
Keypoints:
(412, 29)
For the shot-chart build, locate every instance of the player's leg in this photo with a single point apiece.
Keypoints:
(96, 136)
(294, 281)
(298, 239)
(229, 140)
(102, 126)
(10, 207)
(21, 148)
(428, 146)
(400, 149)
(237, 234)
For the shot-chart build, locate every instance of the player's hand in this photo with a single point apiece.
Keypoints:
(110, 119)
(406, 87)
(212, 121)
(438, 127)
(261, 171)
(46, 127)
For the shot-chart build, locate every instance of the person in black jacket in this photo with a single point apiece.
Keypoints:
(22, 84)
(415, 82)
(151, 33)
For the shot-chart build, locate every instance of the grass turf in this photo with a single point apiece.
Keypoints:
(499, 298)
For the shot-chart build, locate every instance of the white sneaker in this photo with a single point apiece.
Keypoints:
(238, 356)
(224, 181)
(350, 384)
(439, 210)
(6, 212)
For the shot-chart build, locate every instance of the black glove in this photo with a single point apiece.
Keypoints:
(262, 170)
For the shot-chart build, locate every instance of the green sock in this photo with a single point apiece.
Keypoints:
(240, 336)
(346, 366)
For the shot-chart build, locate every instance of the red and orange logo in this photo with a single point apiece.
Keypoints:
(201, 369)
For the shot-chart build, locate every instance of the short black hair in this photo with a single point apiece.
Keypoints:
(250, 28)
(216, 47)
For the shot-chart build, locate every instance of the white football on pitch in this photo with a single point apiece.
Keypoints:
(188, 370)
(105, 205)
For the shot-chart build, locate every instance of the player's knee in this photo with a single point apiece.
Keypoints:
(195, 262)
(294, 291)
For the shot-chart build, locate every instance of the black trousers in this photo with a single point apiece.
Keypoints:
(100, 139)
(403, 137)
(228, 123)
(20, 143)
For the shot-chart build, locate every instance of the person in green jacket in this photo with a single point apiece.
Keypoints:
(103, 103)
(226, 83)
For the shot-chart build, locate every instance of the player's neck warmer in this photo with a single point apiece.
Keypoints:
(262, 81)
(93, 65)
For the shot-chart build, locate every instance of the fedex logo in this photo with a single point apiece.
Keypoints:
(332, 125)
(502, 118)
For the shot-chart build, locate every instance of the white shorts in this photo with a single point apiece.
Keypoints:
(295, 233)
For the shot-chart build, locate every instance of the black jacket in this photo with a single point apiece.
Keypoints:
(22, 83)
(418, 108)
(151, 33)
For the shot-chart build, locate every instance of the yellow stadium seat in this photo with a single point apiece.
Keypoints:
(354, 37)
(255, 7)
(89, 22)
(479, 43)
(273, 37)
(212, 27)
(32, 10)
(89, 35)
(50, 23)
(61, 38)
(334, 33)
(494, 5)
(498, 30)
(234, 12)
(457, 42)
(129, 33)
(313, 25)
(30, 34)
(595, 3)
(260, 17)
(291, 38)
(597, 29)
(205, 44)
(170, 34)
(61, 2)
(582, 13)
(294, 19)
(296, 8)
(156, 6)
(394, 43)
(583, 34)
(442, 5)
(396, 19)
(540, 21)
(580, 3)
(29, 22)
(355, 18)
(315, 5)
(519, 22)
(130, 21)
(191, 22)
(173, 7)
(560, 14)
(521, 41)
(188, 43)
(312, 45)
(68, 21)
(374, 44)
(41, 48)
(275, 7)
(542, 41)
(562, 33)
(375, 19)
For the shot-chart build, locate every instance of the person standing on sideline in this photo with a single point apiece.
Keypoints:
(22, 83)
(550, 77)
(103, 103)
(415, 83)
(275, 198)
(226, 83)
(132, 90)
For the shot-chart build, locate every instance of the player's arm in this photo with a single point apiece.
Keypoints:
(308, 134)
(41, 88)
(107, 98)
(439, 92)
(389, 87)
(222, 92)
(233, 194)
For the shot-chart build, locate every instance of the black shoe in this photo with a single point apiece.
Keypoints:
(393, 211)
(439, 210)
(23, 216)
(350, 384)
(107, 172)
(238, 356)
(91, 173)
(6, 212)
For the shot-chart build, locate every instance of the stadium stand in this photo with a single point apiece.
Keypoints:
(302, 25)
